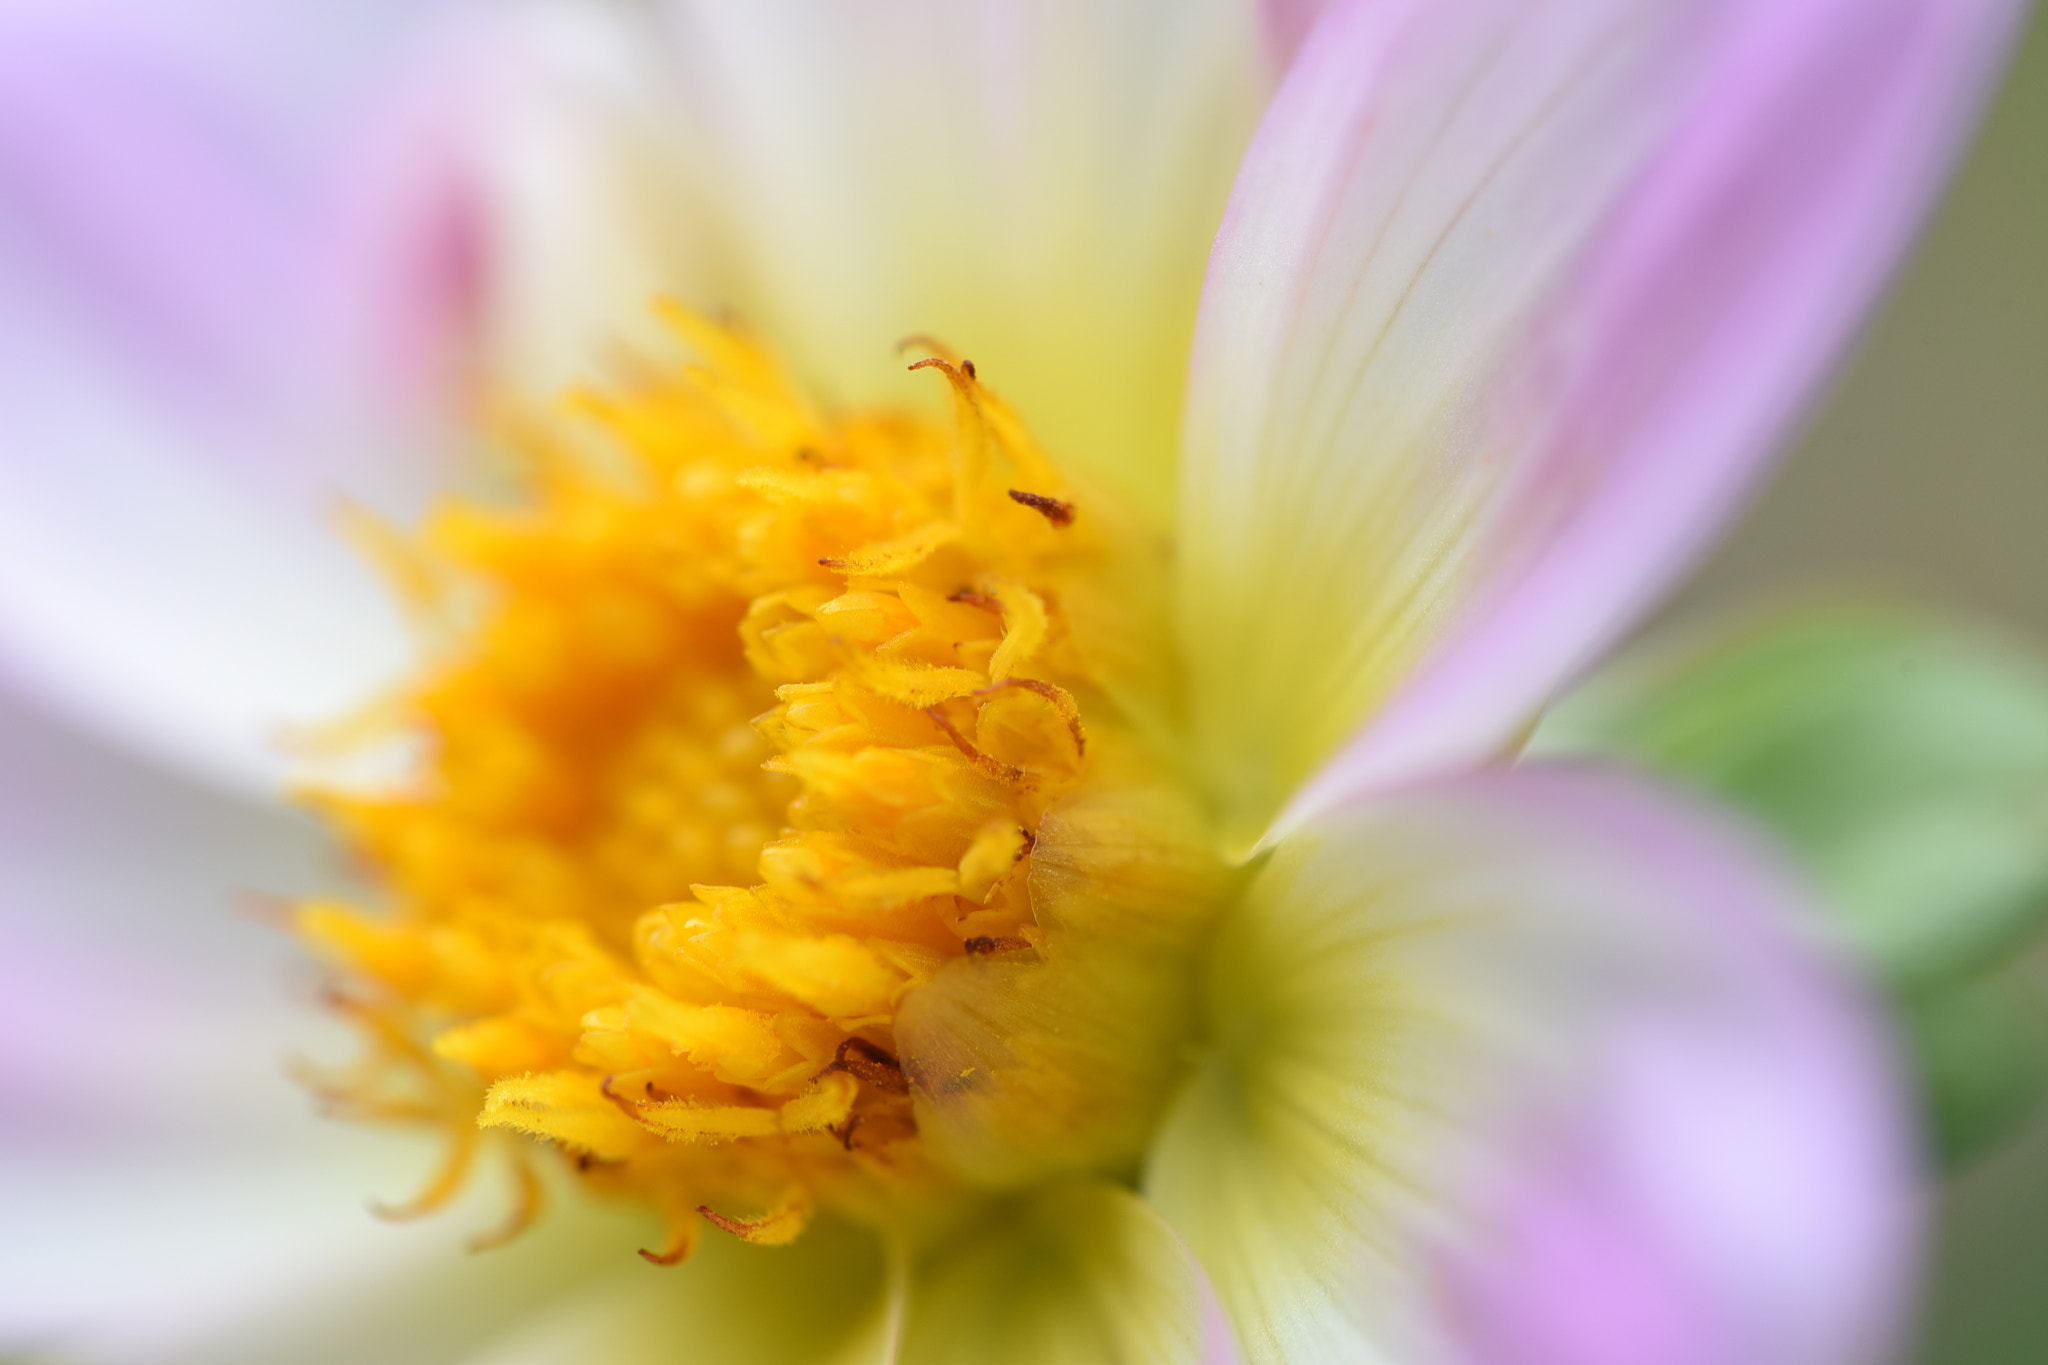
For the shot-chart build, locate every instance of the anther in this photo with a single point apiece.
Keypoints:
(864, 1061)
(1054, 510)
(970, 597)
(984, 944)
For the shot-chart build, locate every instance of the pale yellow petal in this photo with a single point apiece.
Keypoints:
(1078, 1275)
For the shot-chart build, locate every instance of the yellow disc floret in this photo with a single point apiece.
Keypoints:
(743, 725)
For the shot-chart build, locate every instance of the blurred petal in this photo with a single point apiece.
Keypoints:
(156, 1167)
(1511, 301)
(1085, 1274)
(1034, 185)
(827, 1299)
(161, 596)
(185, 392)
(1901, 754)
(170, 1196)
(174, 176)
(1530, 1069)
(529, 172)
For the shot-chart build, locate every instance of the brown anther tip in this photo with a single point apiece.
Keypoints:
(967, 368)
(1054, 510)
(874, 1052)
(983, 944)
(674, 1257)
(866, 1062)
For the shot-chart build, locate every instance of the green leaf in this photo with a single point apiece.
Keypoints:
(1981, 1050)
(1901, 755)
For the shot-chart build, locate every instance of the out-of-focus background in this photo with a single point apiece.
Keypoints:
(1927, 470)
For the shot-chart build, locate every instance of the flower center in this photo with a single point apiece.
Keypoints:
(743, 728)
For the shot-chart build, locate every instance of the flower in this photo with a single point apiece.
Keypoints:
(1354, 1046)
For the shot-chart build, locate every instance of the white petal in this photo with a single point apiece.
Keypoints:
(156, 1165)
(1534, 1070)
(148, 585)
(1036, 186)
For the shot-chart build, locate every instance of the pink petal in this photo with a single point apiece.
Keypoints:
(1538, 1069)
(189, 377)
(1287, 25)
(1512, 302)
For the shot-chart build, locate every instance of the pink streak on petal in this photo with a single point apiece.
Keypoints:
(1218, 1339)
(1287, 24)
(418, 227)
(1673, 360)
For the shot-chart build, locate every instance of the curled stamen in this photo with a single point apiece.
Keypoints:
(525, 1208)
(777, 1227)
(975, 436)
(1002, 772)
(439, 1190)
(682, 1240)
(630, 1108)
(1058, 696)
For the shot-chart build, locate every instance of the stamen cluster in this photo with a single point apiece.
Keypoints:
(741, 727)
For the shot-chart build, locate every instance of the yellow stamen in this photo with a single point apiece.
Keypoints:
(744, 730)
